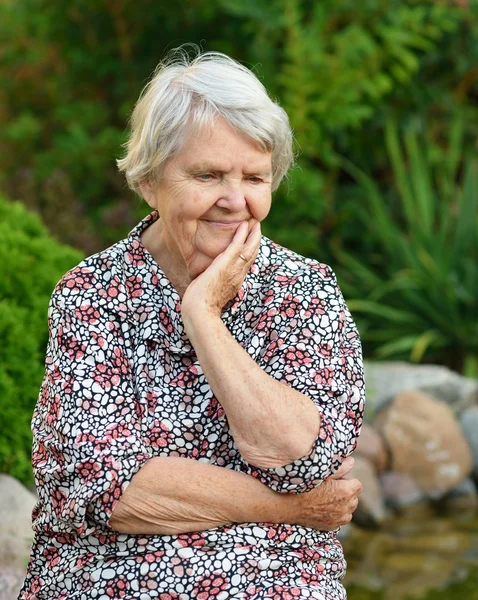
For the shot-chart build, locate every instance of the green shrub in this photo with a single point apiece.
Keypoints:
(32, 263)
(416, 291)
(71, 71)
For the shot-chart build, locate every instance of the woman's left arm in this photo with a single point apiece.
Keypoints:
(271, 423)
(290, 436)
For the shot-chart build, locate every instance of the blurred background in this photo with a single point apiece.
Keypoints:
(383, 99)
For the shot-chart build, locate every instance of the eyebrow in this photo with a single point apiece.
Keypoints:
(206, 167)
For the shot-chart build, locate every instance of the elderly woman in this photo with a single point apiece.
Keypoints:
(203, 384)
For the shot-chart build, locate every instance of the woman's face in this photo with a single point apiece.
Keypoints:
(219, 179)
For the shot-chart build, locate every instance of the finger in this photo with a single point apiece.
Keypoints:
(240, 235)
(355, 486)
(235, 248)
(253, 241)
(344, 468)
(245, 243)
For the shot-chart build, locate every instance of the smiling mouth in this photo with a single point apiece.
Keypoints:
(225, 224)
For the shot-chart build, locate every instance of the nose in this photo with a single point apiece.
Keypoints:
(232, 197)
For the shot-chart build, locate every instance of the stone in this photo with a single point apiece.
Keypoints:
(370, 511)
(371, 446)
(469, 426)
(400, 490)
(11, 581)
(16, 505)
(462, 500)
(385, 380)
(344, 532)
(426, 442)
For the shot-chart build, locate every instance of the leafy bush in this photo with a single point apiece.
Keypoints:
(72, 69)
(32, 263)
(418, 286)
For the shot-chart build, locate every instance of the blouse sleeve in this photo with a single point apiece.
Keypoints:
(317, 351)
(87, 425)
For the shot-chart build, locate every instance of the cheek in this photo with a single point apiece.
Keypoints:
(260, 206)
(197, 203)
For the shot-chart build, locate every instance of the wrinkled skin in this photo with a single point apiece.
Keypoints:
(220, 282)
(332, 504)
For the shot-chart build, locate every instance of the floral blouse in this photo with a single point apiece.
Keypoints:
(123, 385)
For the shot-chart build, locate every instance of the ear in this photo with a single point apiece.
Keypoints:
(147, 192)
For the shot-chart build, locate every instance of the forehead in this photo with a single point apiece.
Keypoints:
(220, 144)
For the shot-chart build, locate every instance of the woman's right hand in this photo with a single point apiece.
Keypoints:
(331, 504)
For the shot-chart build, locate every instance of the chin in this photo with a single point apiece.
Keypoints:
(212, 251)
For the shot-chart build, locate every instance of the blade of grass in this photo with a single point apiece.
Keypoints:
(398, 164)
(426, 340)
(423, 193)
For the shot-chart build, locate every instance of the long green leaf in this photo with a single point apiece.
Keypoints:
(386, 312)
(379, 220)
(423, 194)
(467, 220)
(400, 171)
(428, 339)
(397, 347)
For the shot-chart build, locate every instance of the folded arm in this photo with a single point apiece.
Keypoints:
(179, 495)
(271, 423)
(293, 399)
(295, 409)
(94, 468)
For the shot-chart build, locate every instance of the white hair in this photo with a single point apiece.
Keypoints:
(185, 93)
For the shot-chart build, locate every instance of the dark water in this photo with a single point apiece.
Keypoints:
(423, 553)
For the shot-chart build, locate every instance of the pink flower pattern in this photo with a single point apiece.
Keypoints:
(122, 385)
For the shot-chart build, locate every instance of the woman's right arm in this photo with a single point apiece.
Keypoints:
(178, 495)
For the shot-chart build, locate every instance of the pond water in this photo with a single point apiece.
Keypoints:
(422, 553)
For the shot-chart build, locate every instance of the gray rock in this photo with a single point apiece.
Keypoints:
(400, 490)
(426, 442)
(385, 380)
(462, 499)
(466, 488)
(344, 532)
(469, 426)
(11, 581)
(370, 512)
(16, 505)
(371, 445)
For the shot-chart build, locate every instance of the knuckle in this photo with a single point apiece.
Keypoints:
(347, 488)
(355, 486)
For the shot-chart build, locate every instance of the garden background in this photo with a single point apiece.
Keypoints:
(383, 99)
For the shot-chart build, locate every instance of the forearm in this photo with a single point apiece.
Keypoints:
(272, 424)
(178, 495)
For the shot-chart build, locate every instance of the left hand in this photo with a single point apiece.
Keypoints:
(220, 282)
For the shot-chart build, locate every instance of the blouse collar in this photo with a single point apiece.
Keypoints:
(155, 303)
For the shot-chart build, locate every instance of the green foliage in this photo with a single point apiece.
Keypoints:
(32, 262)
(71, 71)
(418, 287)
(338, 69)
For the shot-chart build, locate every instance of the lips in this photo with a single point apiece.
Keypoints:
(225, 224)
